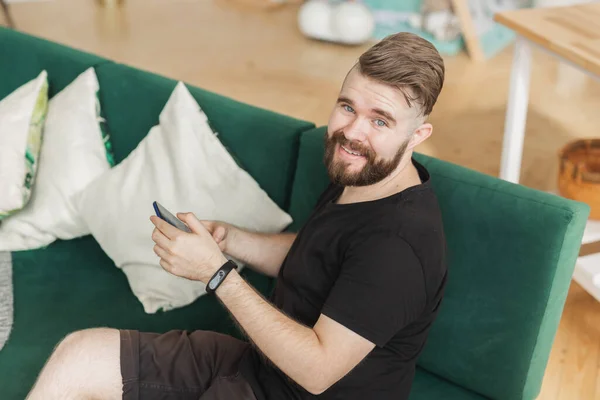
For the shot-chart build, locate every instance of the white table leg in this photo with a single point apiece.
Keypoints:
(516, 113)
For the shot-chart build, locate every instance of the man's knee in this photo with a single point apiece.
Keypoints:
(87, 343)
(85, 364)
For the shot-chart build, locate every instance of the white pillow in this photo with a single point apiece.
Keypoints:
(22, 115)
(182, 165)
(73, 154)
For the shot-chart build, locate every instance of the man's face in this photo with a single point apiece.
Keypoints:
(368, 132)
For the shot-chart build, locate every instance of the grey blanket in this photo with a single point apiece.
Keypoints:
(6, 297)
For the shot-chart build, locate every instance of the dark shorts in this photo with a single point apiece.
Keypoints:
(199, 365)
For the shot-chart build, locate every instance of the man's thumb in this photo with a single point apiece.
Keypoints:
(193, 222)
(219, 233)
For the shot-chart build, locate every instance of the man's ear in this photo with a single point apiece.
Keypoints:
(419, 135)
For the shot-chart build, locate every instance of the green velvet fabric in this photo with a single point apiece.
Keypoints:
(511, 250)
(264, 143)
(427, 386)
(311, 177)
(73, 285)
(23, 57)
(511, 253)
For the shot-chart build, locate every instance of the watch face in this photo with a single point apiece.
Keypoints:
(216, 280)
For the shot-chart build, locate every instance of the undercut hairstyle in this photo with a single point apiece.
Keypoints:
(409, 63)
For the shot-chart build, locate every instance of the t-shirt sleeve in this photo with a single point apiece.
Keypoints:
(380, 289)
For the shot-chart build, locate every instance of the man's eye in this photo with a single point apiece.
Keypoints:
(380, 122)
(348, 108)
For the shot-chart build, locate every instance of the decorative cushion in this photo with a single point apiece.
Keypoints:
(181, 164)
(22, 116)
(73, 153)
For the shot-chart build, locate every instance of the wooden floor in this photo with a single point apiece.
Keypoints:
(258, 56)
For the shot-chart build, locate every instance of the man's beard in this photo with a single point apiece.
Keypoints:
(373, 171)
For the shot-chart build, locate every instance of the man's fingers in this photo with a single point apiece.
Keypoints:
(209, 225)
(160, 239)
(194, 223)
(162, 253)
(167, 229)
(219, 233)
(182, 215)
(166, 266)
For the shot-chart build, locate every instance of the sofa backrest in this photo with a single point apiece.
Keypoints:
(24, 57)
(511, 254)
(263, 142)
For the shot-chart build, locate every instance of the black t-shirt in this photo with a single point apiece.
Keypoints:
(378, 268)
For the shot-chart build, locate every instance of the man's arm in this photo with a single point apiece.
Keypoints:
(317, 357)
(314, 358)
(262, 252)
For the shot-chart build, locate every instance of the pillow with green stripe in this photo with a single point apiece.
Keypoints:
(75, 150)
(22, 116)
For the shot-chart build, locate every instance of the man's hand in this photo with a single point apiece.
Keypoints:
(221, 232)
(315, 358)
(263, 252)
(195, 256)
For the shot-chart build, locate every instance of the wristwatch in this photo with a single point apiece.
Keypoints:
(220, 276)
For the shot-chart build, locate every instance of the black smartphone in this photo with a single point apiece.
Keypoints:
(164, 214)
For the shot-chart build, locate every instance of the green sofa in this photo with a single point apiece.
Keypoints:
(511, 249)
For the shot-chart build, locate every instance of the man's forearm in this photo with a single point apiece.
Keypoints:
(261, 251)
(292, 347)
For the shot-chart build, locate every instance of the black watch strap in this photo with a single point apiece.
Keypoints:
(220, 276)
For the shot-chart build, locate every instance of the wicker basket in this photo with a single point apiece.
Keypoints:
(579, 173)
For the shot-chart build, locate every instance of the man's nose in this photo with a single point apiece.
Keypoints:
(356, 131)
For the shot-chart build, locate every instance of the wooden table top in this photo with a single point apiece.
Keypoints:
(572, 32)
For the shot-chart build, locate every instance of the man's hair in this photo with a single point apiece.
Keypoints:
(409, 63)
